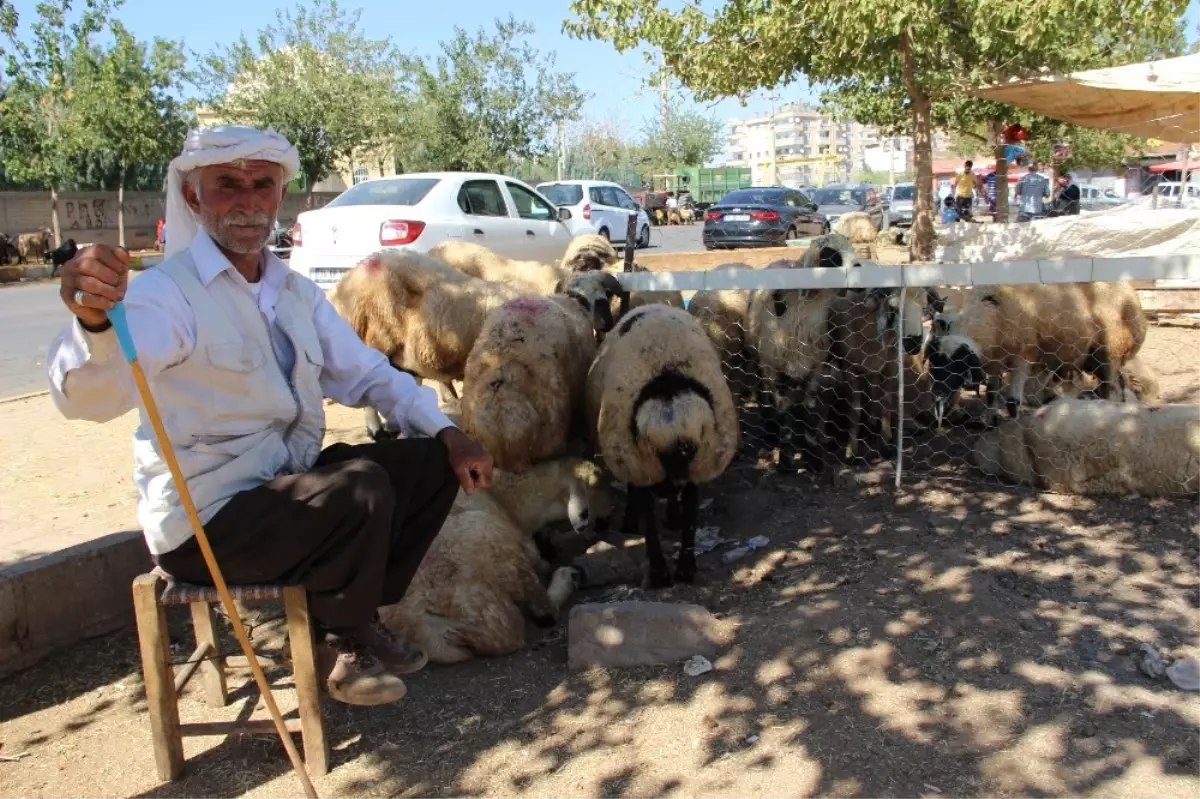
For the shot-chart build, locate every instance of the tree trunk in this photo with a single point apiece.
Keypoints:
(1001, 214)
(920, 245)
(121, 207)
(54, 217)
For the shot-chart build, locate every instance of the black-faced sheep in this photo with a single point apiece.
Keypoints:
(483, 569)
(1075, 446)
(787, 337)
(523, 383)
(61, 254)
(660, 413)
(722, 314)
(1093, 328)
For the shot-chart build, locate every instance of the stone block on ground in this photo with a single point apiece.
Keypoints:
(37, 272)
(643, 634)
(11, 274)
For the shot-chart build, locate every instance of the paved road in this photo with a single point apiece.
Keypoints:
(30, 316)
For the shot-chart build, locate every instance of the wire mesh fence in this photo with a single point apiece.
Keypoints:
(1029, 372)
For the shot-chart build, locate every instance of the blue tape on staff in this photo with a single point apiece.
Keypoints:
(120, 324)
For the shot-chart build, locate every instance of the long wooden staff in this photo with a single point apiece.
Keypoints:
(121, 326)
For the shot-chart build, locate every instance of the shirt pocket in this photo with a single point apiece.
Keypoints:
(241, 358)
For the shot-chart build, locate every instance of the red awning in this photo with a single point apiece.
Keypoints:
(1174, 166)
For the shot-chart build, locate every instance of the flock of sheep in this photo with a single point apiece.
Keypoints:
(560, 371)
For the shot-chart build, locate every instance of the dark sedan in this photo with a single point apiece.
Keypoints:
(765, 217)
(835, 201)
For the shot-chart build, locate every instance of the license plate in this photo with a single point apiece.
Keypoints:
(737, 217)
(326, 275)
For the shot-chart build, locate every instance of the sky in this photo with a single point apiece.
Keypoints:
(616, 82)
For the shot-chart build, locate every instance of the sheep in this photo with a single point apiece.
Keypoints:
(787, 337)
(863, 346)
(61, 254)
(1075, 446)
(524, 379)
(660, 414)
(639, 298)
(419, 312)
(8, 250)
(723, 316)
(1089, 327)
(858, 228)
(687, 215)
(32, 247)
(484, 568)
(586, 253)
(1045, 386)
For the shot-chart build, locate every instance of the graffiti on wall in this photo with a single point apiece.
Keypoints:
(99, 213)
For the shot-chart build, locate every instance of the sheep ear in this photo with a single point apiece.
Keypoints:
(611, 285)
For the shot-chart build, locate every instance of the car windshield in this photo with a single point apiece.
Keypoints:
(839, 197)
(397, 191)
(562, 193)
(902, 193)
(749, 196)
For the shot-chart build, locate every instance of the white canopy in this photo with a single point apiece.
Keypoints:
(1157, 99)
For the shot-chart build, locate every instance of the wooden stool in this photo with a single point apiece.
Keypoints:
(152, 593)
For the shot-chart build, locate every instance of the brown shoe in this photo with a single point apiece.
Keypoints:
(398, 655)
(358, 677)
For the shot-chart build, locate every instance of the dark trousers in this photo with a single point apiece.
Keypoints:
(352, 530)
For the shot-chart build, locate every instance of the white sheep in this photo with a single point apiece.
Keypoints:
(524, 379)
(787, 337)
(586, 253)
(483, 568)
(1093, 328)
(660, 413)
(1094, 447)
(722, 314)
(860, 230)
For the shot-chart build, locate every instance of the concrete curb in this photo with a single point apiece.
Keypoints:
(55, 600)
(20, 397)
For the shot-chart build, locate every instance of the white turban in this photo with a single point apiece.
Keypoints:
(222, 144)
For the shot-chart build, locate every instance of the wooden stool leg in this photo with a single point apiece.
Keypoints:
(213, 669)
(161, 701)
(305, 674)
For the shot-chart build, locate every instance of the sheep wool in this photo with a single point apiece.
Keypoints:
(419, 312)
(656, 388)
(483, 569)
(524, 380)
(589, 252)
(1095, 447)
(524, 277)
(722, 314)
(857, 227)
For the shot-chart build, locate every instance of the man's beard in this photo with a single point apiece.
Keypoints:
(221, 230)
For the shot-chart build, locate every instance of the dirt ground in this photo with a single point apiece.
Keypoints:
(955, 638)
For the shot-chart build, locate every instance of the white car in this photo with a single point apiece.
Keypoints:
(418, 212)
(605, 206)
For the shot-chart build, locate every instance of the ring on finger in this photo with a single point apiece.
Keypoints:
(79, 296)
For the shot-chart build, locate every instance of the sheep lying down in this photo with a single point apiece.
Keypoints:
(483, 569)
(1096, 447)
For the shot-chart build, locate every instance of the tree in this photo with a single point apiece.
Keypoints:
(39, 128)
(315, 77)
(886, 64)
(487, 102)
(680, 138)
(597, 145)
(124, 99)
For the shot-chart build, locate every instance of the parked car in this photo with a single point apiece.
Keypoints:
(761, 217)
(1094, 198)
(900, 207)
(834, 201)
(605, 207)
(1168, 193)
(280, 241)
(418, 212)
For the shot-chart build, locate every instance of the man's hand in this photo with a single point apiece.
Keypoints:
(471, 464)
(101, 274)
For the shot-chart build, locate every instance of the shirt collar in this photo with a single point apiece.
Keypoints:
(210, 262)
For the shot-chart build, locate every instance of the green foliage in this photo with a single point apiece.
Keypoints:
(683, 138)
(127, 102)
(39, 125)
(315, 77)
(486, 102)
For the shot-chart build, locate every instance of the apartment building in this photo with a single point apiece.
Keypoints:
(811, 148)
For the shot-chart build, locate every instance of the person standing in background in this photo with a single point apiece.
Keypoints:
(964, 190)
(1032, 190)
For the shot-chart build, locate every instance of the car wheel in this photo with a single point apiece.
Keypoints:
(643, 239)
(604, 233)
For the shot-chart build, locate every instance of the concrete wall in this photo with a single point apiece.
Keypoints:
(92, 216)
(62, 598)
